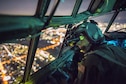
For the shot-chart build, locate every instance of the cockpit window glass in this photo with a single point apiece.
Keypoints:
(49, 47)
(102, 21)
(84, 5)
(65, 7)
(119, 23)
(18, 7)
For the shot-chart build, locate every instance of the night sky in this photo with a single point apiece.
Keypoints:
(28, 7)
(20, 7)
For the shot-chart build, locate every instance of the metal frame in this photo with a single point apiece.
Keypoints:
(76, 7)
(111, 21)
(34, 43)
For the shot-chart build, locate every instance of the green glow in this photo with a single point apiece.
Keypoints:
(29, 82)
(81, 37)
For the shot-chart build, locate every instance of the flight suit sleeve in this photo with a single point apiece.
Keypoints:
(92, 69)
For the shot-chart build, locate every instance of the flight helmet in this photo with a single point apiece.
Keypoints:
(91, 31)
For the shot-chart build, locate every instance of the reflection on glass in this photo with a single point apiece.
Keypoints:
(65, 7)
(102, 21)
(119, 23)
(18, 7)
(12, 62)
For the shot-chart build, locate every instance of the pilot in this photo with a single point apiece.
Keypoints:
(98, 62)
(101, 63)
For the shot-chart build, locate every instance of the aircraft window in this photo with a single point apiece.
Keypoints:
(65, 7)
(119, 23)
(84, 5)
(18, 7)
(13, 61)
(48, 47)
(102, 21)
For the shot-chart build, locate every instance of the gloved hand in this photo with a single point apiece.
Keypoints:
(58, 76)
(65, 75)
